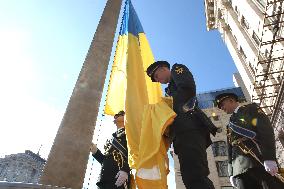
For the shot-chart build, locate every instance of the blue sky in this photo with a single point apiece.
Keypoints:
(177, 32)
(43, 45)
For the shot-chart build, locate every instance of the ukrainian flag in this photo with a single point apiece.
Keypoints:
(132, 57)
(130, 89)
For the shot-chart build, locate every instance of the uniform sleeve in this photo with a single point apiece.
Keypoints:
(229, 146)
(265, 136)
(99, 156)
(125, 166)
(184, 81)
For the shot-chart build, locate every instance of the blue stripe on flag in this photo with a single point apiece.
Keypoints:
(130, 21)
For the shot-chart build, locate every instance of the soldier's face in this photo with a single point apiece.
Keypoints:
(119, 120)
(228, 105)
(162, 75)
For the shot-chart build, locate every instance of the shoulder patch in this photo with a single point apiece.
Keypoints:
(179, 70)
(254, 122)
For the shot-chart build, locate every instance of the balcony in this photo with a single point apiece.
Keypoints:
(256, 39)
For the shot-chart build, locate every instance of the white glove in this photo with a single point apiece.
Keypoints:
(233, 181)
(271, 167)
(122, 177)
(93, 148)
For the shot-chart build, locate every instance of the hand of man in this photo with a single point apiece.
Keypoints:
(271, 167)
(122, 177)
(233, 181)
(93, 148)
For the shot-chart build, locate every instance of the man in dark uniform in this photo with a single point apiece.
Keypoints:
(115, 171)
(191, 128)
(249, 129)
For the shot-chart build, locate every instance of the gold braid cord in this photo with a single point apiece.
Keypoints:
(118, 157)
(246, 150)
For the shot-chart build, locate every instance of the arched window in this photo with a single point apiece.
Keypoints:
(222, 168)
(219, 148)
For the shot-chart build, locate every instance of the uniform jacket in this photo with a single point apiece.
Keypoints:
(110, 166)
(182, 88)
(250, 117)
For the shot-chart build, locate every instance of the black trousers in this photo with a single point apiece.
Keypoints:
(258, 178)
(190, 147)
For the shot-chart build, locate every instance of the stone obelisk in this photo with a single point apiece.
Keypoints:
(69, 154)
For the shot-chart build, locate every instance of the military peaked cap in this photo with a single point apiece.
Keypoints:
(153, 67)
(221, 97)
(120, 113)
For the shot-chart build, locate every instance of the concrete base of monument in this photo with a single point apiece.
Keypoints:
(20, 185)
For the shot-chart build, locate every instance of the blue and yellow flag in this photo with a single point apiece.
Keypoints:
(130, 89)
(132, 57)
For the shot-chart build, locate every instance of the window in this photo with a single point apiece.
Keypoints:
(222, 168)
(229, 28)
(33, 173)
(243, 53)
(235, 38)
(252, 69)
(219, 148)
(256, 38)
(237, 10)
(244, 23)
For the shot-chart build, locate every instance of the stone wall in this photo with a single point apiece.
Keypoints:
(22, 167)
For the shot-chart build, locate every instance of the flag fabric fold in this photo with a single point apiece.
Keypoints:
(152, 163)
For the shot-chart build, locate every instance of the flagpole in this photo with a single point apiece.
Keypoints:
(67, 161)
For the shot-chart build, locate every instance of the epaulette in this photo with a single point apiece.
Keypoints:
(252, 111)
(257, 108)
(179, 69)
(251, 107)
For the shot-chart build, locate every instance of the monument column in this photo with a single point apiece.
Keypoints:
(69, 154)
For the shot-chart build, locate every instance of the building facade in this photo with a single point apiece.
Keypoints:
(22, 167)
(253, 33)
(217, 154)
